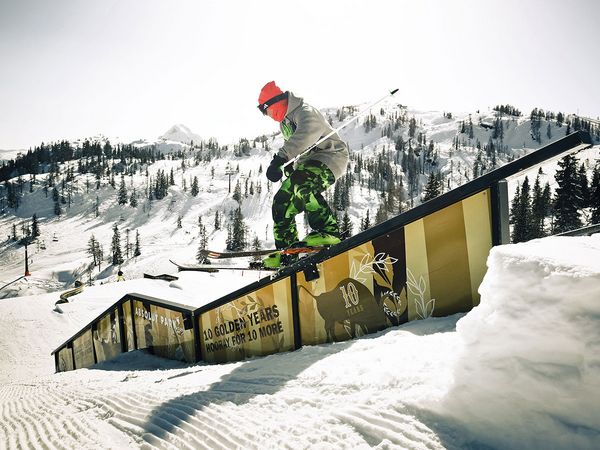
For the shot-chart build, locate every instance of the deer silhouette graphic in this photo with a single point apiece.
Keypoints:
(352, 305)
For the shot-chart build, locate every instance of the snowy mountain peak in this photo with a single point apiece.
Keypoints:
(181, 133)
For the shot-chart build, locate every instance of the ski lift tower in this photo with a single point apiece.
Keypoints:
(229, 171)
(26, 243)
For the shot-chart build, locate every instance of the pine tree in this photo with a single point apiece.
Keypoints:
(217, 225)
(538, 209)
(122, 193)
(92, 249)
(236, 231)
(412, 127)
(95, 251)
(138, 249)
(255, 246)
(345, 226)
(433, 188)
(365, 224)
(133, 199)
(471, 135)
(595, 195)
(117, 256)
(522, 214)
(195, 189)
(35, 227)
(127, 244)
(567, 197)
(583, 186)
(381, 215)
(237, 192)
(200, 256)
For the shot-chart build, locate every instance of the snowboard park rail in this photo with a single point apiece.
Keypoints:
(428, 261)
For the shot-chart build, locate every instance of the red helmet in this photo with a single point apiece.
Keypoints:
(274, 98)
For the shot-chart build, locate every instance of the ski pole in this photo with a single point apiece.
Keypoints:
(344, 125)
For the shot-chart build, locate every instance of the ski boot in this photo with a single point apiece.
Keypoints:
(319, 239)
(277, 260)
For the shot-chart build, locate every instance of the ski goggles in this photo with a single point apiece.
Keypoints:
(264, 106)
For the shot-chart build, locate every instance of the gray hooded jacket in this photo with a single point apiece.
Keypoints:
(309, 125)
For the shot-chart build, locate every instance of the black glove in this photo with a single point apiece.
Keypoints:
(274, 172)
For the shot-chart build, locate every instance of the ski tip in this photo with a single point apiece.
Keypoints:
(392, 92)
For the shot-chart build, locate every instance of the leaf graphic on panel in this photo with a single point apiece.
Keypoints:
(383, 269)
(418, 289)
(379, 265)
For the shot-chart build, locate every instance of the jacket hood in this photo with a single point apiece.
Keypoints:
(293, 102)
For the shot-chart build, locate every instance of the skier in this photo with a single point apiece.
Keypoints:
(314, 171)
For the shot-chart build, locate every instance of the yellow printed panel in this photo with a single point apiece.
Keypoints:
(448, 260)
(445, 257)
(143, 324)
(163, 332)
(478, 227)
(106, 335)
(418, 291)
(65, 360)
(128, 321)
(83, 350)
(359, 291)
(257, 324)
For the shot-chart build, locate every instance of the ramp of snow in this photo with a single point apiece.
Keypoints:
(529, 376)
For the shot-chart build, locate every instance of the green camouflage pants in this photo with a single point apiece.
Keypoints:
(301, 192)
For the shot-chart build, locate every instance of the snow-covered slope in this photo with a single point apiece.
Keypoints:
(59, 257)
(519, 371)
(7, 155)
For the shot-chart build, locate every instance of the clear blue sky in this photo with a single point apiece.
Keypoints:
(132, 68)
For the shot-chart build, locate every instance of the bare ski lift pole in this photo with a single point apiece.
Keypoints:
(27, 273)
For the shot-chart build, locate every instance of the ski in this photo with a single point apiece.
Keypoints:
(287, 251)
(220, 255)
(210, 268)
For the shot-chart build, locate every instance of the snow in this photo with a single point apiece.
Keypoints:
(7, 155)
(531, 360)
(519, 371)
(181, 133)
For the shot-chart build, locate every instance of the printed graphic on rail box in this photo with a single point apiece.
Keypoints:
(83, 350)
(65, 359)
(128, 323)
(446, 254)
(359, 291)
(163, 331)
(256, 324)
(430, 267)
(106, 336)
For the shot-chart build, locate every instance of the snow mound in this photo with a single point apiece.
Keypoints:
(529, 376)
